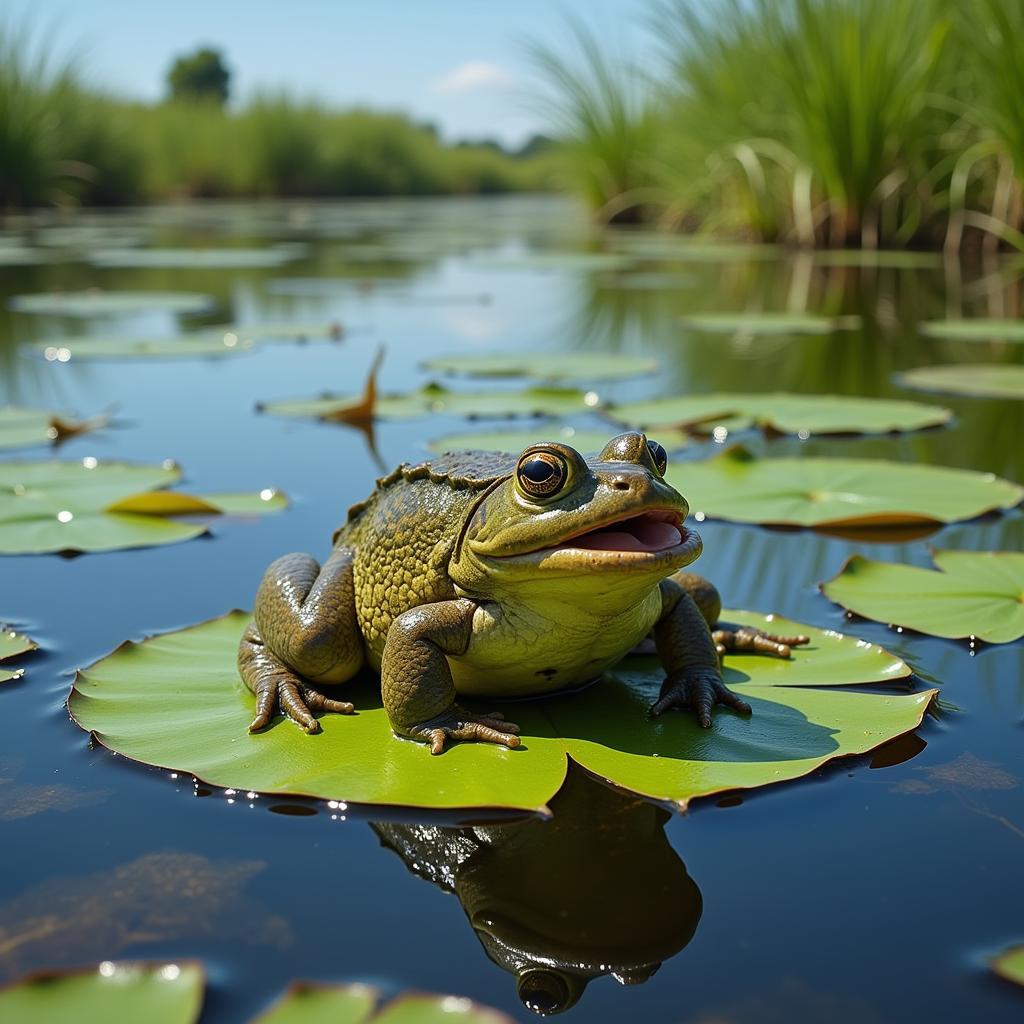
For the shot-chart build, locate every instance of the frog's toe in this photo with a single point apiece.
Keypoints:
(490, 728)
(746, 638)
(698, 692)
(318, 702)
(294, 706)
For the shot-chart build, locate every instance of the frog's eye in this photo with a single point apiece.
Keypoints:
(659, 455)
(541, 474)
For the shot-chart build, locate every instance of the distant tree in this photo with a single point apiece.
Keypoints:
(535, 144)
(201, 75)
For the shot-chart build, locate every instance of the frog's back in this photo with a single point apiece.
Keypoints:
(404, 535)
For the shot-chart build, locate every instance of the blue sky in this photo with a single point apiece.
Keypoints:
(457, 63)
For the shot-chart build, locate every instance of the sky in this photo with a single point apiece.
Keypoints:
(459, 64)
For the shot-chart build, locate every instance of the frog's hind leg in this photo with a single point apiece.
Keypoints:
(305, 631)
(744, 638)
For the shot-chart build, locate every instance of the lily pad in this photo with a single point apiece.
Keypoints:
(1010, 964)
(109, 992)
(12, 644)
(330, 330)
(580, 262)
(983, 380)
(769, 323)
(783, 413)
(23, 256)
(975, 329)
(176, 700)
(974, 594)
(651, 280)
(586, 366)
(883, 259)
(22, 427)
(105, 506)
(100, 303)
(583, 440)
(666, 246)
(821, 492)
(196, 259)
(186, 346)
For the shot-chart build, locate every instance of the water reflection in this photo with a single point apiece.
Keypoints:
(595, 891)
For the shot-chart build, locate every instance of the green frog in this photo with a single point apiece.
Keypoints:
(488, 575)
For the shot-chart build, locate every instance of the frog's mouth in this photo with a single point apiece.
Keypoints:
(650, 532)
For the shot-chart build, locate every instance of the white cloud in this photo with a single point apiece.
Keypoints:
(470, 77)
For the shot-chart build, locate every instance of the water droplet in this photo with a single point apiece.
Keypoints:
(50, 354)
(63, 355)
(719, 434)
(52, 433)
(64, 516)
(230, 339)
(267, 494)
(591, 398)
(107, 969)
(90, 462)
(170, 972)
(803, 434)
(699, 516)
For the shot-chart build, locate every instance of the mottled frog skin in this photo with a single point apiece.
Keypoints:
(493, 576)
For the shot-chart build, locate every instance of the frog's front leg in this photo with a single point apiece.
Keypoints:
(416, 679)
(693, 673)
(305, 630)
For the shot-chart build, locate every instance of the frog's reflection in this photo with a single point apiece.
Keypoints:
(596, 890)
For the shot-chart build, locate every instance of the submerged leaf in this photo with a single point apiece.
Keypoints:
(100, 303)
(109, 992)
(822, 492)
(977, 328)
(1010, 964)
(769, 323)
(974, 594)
(586, 441)
(176, 701)
(104, 506)
(21, 427)
(984, 380)
(13, 643)
(585, 366)
(783, 413)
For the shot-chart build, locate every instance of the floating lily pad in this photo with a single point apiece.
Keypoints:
(104, 506)
(1010, 964)
(565, 261)
(585, 366)
(330, 330)
(12, 644)
(769, 323)
(975, 329)
(108, 993)
(197, 259)
(25, 428)
(186, 346)
(100, 303)
(884, 259)
(984, 380)
(783, 413)
(837, 492)
(176, 700)
(666, 246)
(584, 440)
(974, 594)
(651, 280)
(23, 256)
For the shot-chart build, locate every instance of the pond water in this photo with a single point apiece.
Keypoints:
(875, 890)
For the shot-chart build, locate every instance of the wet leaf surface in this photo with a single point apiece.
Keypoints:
(100, 303)
(104, 506)
(768, 323)
(584, 440)
(108, 994)
(572, 366)
(982, 380)
(824, 492)
(783, 413)
(22, 427)
(176, 700)
(13, 644)
(973, 594)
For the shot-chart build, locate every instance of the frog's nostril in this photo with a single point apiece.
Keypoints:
(620, 484)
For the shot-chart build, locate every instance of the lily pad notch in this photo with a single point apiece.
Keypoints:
(175, 701)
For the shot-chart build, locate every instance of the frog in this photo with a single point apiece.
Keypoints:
(491, 576)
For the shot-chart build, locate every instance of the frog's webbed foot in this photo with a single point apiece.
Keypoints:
(276, 686)
(699, 690)
(746, 638)
(458, 724)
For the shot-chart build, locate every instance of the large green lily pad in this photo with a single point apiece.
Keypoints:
(821, 492)
(13, 644)
(433, 398)
(100, 303)
(583, 440)
(186, 346)
(982, 380)
(109, 993)
(199, 259)
(176, 700)
(104, 506)
(783, 413)
(585, 366)
(172, 993)
(1010, 964)
(977, 328)
(22, 427)
(974, 594)
(768, 323)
